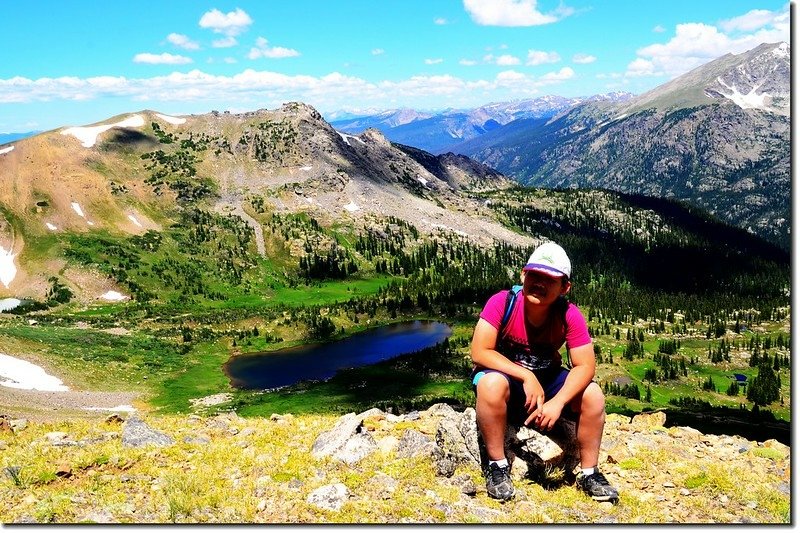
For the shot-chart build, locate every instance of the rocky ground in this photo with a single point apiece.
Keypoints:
(45, 406)
(373, 467)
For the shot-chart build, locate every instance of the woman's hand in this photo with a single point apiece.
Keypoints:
(534, 393)
(547, 416)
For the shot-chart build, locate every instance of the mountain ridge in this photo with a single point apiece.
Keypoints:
(94, 177)
(435, 132)
(725, 156)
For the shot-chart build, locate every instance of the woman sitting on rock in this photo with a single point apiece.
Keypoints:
(519, 378)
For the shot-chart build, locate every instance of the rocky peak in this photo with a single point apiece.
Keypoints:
(302, 110)
(759, 81)
(373, 135)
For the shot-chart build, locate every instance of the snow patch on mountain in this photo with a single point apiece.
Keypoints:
(8, 270)
(7, 304)
(77, 208)
(750, 100)
(6, 150)
(171, 120)
(113, 296)
(347, 137)
(21, 374)
(352, 207)
(88, 134)
(782, 51)
(135, 221)
(51, 227)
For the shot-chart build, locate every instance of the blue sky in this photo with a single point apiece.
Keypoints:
(78, 62)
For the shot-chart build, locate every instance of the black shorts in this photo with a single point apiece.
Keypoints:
(551, 379)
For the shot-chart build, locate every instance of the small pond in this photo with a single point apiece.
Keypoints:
(268, 370)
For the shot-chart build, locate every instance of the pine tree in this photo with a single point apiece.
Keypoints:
(766, 386)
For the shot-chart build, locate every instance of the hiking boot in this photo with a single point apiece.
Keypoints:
(597, 487)
(498, 482)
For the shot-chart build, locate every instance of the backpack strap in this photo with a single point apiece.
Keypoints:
(511, 298)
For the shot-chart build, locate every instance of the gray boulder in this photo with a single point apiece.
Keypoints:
(329, 442)
(344, 441)
(136, 434)
(458, 437)
(356, 448)
(414, 443)
(329, 497)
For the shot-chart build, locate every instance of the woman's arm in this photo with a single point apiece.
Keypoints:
(484, 355)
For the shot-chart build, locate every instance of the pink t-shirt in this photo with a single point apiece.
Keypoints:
(536, 348)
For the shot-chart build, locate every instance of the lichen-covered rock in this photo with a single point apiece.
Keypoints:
(414, 443)
(329, 497)
(330, 441)
(649, 420)
(356, 448)
(135, 434)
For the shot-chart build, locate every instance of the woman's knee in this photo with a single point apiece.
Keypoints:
(593, 399)
(493, 387)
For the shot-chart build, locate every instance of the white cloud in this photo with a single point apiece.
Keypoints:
(511, 13)
(230, 60)
(583, 59)
(182, 41)
(197, 91)
(641, 67)
(262, 49)
(538, 57)
(378, 51)
(250, 86)
(753, 20)
(468, 62)
(435, 61)
(695, 43)
(230, 24)
(225, 42)
(659, 29)
(161, 59)
(564, 74)
(510, 76)
(507, 60)
(440, 21)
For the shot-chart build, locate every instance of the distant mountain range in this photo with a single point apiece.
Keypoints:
(717, 137)
(435, 132)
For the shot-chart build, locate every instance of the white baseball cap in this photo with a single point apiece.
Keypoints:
(551, 259)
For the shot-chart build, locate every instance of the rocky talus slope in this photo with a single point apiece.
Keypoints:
(373, 467)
